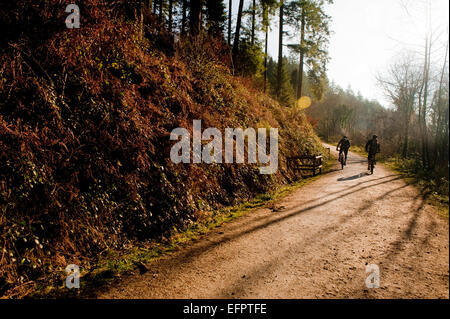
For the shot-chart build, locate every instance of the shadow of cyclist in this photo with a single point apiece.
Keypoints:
(351, 178)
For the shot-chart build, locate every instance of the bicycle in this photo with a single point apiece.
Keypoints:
(342, 159)
(372, 163)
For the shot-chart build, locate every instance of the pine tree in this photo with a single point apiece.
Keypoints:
(238, 29)
(268, 8)
(309, 18)
(285, 91)
(215, 17)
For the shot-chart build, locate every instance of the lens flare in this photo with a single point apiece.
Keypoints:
(303, 103)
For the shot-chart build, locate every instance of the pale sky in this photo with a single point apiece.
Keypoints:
(369, 34)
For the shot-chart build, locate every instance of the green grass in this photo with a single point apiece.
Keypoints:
(113, 264)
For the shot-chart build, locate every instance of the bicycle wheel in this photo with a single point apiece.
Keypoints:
(341, 160)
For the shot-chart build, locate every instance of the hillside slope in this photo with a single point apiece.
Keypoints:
(85, 121)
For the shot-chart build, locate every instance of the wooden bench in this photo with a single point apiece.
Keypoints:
(305, 163)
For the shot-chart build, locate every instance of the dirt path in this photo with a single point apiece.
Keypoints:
(316, 247)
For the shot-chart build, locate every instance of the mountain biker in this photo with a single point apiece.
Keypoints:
(372, 148)
(344, 145)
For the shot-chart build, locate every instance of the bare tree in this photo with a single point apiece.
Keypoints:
(402, 85)
(441, 109)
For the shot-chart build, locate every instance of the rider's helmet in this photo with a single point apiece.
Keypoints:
(345, 137)
(375, 137)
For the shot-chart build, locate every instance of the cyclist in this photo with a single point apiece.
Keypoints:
(344, 145)
(372, 148)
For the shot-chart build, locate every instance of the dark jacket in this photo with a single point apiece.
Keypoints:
(372, 147)
(344, 144)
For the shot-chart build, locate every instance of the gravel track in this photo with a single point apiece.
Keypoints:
(316, 246)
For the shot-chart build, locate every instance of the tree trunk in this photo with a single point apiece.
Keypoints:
(253, 22)
(238, 29)
(302, 57)
(195, 18)
(425, 155)
(280, 51)
(265, 58)
(150, 5)
(183, 18)
(438, 139)
(230, 11)
(406, 139)
(426, 75)
(445, 144)
(161, 5)
(170, 14)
